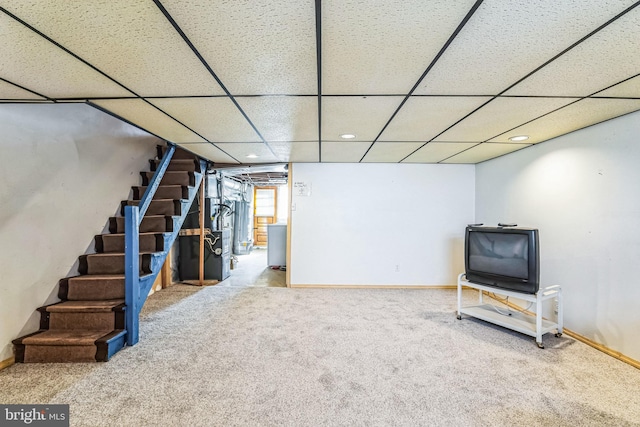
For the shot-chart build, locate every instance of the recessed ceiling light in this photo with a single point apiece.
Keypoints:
(519, 138)
(347, 136)
(252, 156)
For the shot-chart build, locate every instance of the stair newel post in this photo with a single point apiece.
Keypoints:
(132, 218)
(132, 272)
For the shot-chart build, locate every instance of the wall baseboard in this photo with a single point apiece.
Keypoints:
(606, 350)
(602, 348)
(6, 363)
(377, 286)
(572, 334)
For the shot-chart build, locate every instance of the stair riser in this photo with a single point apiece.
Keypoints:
(88, 325)
(147, 243)
(90, 321)
(163, 192)
(180, 165)
(82, 320)
(148, 225)
(157, 207)
(91, 290)
(110, 264)
(59, 353)
(100, 350)
(171, 178)
(110, 345)
(177, 154)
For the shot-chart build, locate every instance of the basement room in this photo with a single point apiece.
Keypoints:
(319, 213)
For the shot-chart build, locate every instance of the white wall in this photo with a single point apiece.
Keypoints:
(282, 203)
(379, 224)
(582, 191)
(63, 171)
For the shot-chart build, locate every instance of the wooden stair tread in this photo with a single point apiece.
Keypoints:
(108, 254)
(66, 337)
(163, 186)
(137, 202)
(88, 324)
(171, 173)
(84, 306)
(146, 233)
(150, 173)
(98, 277)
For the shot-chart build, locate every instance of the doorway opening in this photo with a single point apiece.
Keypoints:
(252, 203)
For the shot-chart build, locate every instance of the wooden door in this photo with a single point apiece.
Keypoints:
(264, 213)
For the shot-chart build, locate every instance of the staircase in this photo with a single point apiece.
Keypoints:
(91, 322)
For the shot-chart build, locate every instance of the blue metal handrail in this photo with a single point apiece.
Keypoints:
(145, 201)
(133, 216)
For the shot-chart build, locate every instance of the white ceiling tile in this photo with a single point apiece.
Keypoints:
(499, 116)
(383, 46)
(628, 89)
(31, 61)
(485, 151)
(363, 116)
(209, 151)
(435, 152)
(216, 119)
(149, 118)
(608, 57)
(343, 151)
(422, 118)
(390, 152)
(573, 117)
(9, 91)
(283, 118)
(300, 152)
(241, 150)
(264, 52)
(131, 41)
(502, 42)
(253, 47)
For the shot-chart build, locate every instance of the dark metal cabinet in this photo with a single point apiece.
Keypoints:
(217, 256)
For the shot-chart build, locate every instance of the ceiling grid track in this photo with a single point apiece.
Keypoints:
(572, 46)
(112, 114)
(175, 25)
(319, 68)
(28, 90)
(58, 45)
(593, 95)
(87, 100)
(560, 108)
(468, 16)
(540, 70)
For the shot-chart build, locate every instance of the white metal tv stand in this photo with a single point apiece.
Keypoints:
(529, 324)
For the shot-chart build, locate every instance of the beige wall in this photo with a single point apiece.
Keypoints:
(379, 224)
(581, 191)
(63, 171)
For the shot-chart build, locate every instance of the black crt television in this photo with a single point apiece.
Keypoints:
(503, 257)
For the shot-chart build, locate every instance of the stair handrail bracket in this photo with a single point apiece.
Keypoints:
(133, 216)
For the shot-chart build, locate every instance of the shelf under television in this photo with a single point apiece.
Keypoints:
(530, 324)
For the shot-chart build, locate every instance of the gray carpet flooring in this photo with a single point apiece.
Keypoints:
(260, 356)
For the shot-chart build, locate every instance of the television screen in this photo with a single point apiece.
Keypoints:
(503, 254)
(503, 257)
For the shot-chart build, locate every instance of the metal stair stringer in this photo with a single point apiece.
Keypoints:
(137, 288)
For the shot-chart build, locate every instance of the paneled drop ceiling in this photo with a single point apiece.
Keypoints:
(414, 81)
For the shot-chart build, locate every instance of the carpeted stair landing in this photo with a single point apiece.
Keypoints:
(88, 324)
